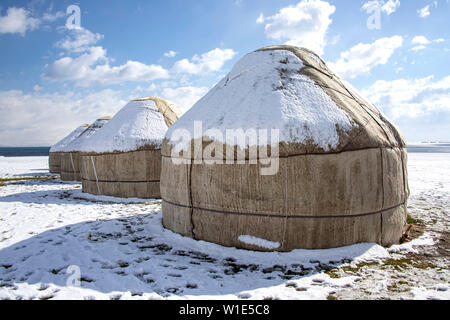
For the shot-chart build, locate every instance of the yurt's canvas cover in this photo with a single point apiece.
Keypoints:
(342, 165)
(70, 157)
(54, 159)
(123, 158)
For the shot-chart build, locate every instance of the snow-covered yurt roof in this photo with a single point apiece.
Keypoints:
(290, 89)
(141, 124)
(76, 144)
(57, 147)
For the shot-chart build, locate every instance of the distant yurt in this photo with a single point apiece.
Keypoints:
(54, 159)
(123, 159)
(333, 172)
(70, 155)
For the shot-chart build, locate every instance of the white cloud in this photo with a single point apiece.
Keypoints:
(362, 58)
(170, 54)
(388, 7)
(51, 17)
(39, 119)
(411, 98)
(391, 6)
(418, 48)
(184, 97)
(304, 24)
(93, 67)
(78, 40)
(18, 20)
(260, 19)
(425, 11)
(420, 40)
(420, 107)
(208, 62)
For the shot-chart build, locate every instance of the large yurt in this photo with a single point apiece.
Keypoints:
(123, 159)
(333, 172)
(70, 154)
(54, 159)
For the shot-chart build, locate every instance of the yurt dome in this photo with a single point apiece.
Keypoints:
(341, 172)
(70, 159)
(123, 158)
(54, 159)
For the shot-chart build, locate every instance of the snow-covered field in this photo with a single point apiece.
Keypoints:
(50, 231)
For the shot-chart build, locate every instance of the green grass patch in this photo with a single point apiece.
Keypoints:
(398, 264)
(359, 266)
(411, 220)
(400, 286)
(404, 263)
(350, 269)
(332, 274)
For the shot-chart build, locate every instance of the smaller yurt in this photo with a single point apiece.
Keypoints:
(70, 157)
(54, 159)
(123, 159)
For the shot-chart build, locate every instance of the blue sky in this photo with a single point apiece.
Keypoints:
(53, 78)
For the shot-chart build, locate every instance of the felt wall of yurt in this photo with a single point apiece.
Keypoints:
(54, 159)
(70, 155)
(123, 159)
(342, 175)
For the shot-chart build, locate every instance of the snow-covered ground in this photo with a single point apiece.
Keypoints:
(50, 232)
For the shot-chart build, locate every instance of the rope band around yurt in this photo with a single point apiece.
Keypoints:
(73, 166)
(263, 215)
(121, 181)
(95, 173)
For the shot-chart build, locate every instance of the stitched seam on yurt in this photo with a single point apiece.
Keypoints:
(348, 91)
(146, 181)
(404, 177)
(285, 207)
(191, 203)
(382, 193)
(283, 216)
(365, 109)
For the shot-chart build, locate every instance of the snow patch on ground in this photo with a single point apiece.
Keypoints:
(123, 251)
(425, 240)
(262, 243)
(78, 194)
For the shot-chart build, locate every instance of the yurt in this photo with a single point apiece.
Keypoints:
(123, 159)
(70, 155)
(54, 159)
(339, 166)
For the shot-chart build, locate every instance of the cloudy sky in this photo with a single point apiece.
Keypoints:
(54, 77)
